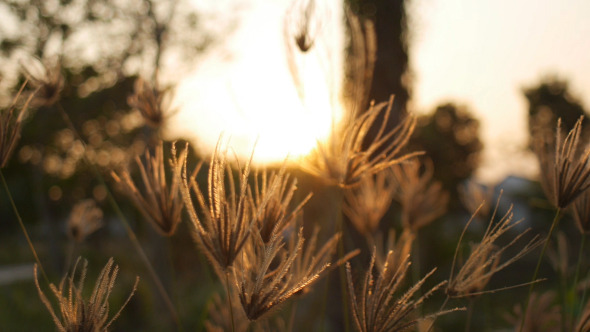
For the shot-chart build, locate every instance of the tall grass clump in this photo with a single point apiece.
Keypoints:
(255, 247)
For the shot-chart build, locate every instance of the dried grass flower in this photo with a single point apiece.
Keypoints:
(302, 24)
(274, 265)
(150, 101)
(343, 160)
(378, 305)
(77, 313)
(366, 203)
(422, 199)
(228, 210)
(393, 251)
(160, 201)
(85, 219)
(311, 259)
(565, 173)
(485, 258)
(477, 197)
(272, 195)
(220, 319)
(558, 256)
(10, 125)
(581, 212)
(266, 274)
(220, 316)
(45, 77)
(360, 61)
(543, 314)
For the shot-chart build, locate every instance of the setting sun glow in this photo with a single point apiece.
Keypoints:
(244, 90)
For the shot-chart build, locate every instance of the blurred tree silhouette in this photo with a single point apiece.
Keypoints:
(550, 100)
(99, 41)
(450, 137)
(391, 64)
(99, 47)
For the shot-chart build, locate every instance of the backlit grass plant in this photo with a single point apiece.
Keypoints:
(274, 254)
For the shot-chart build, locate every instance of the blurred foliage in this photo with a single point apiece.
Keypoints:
(98, 48)
(549, 100)
(391, 74)
(450, 138)
(101, 47)
(98, 42)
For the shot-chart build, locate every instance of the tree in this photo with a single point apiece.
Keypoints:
(550, 100)
(391, 62)
(450, 137)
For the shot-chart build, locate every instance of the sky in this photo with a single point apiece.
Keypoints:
(244, 89)
(482, 54)
(477, 53)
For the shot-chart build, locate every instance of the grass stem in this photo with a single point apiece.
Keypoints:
(577, 275)
(231, 309)
(23, 228)
(130, 233)
(338, 203)
(469, 315)
(439, 310)
(532, 286)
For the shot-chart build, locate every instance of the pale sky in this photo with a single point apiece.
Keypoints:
(481, 53)
(478, 53)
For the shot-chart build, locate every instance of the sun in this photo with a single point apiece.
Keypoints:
(245, 90)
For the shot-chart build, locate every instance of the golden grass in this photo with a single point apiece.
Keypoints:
(378, 304)
(344, 160)
(565, 173)
(160, 203)
(485, 258)
(77, 313)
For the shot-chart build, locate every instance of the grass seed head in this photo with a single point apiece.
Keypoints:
(45, 77)
(150, 101)
(227, 211)
(85, 219)
(272, 196)
(422, 199)
(366, 203)
(160, 201)
(543, 314)
(10, 125)
(485, 258)
(79, 314)
(565, 173)
(344, 160)
(379, 305)
(581, 212)
(265, 275)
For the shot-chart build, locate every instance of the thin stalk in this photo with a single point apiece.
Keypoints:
(173, 276)
(70, 255)
(23, 228)
(439, 310)
(292, 318)
(532, 286)
(130, 233)
(324, 304)
(415, 250)
(563, 297)
(231, 309)
(251, 326)
(469, 315)
(577, 275)
(583, 299)
(338, 202)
